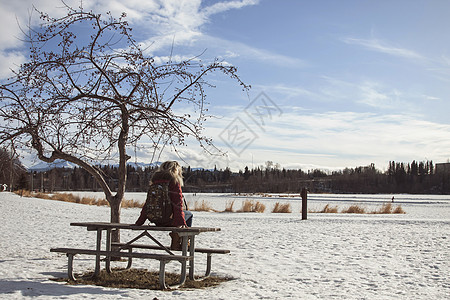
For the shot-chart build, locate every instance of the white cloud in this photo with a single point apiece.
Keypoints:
(375, 95)
(338, 139)
(158, 23)
(9, 60)
(159, 26)
(224, 6)
(369, 93)
(286, 90)
(381, 46)
(251, 53)
(431, 98)
(176, 22)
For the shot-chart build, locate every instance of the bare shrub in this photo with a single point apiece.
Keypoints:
(354, 209)
(282, 208)
(229, 206)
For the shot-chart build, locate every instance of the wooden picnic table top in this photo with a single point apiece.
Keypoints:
(107, 225)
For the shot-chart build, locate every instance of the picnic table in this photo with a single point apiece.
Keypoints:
(112, 250)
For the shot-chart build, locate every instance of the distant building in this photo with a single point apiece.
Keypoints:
(442, 168)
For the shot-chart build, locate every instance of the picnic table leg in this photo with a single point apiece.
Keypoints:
(162, 274)
(130, 259)
(184, 248)
(98, 248)
(108, 248)
(191, 254)
(70, 267)
(208, 264)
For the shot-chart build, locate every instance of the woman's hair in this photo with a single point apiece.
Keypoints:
(172, 168)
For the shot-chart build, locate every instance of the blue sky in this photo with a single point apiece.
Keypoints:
(335, 84)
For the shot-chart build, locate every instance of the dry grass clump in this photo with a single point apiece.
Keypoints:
(385, 209)
(357, 209)
(399, 210)
(68, 197)
(389, 209)
(282, 208)
(43, 196)
(202, 206)
(326, 210)
(354, 209)
(140, 279)
(329, 209)
(259, 207)
(252, 206)
(131, 204)
(23, 193)
(65, 197)
(229, 206)
(247, 206)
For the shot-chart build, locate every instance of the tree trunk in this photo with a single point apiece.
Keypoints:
(115, 202)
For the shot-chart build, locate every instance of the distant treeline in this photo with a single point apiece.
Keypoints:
(414, 177)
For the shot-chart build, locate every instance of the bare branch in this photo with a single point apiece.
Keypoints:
(88, 98)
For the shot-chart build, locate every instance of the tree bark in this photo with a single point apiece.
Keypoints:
(115, 204)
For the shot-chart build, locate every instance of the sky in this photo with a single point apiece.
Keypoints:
(335, 84)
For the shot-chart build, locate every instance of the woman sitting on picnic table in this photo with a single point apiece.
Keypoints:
(171, 172)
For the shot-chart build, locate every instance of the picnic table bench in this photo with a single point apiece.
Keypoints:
(112, 250)
(207, 251)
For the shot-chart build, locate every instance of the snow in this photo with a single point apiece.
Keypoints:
(273, 256)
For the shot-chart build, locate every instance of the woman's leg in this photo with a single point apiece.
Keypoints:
(188, 218)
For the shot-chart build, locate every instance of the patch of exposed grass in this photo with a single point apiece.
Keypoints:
(252, 206)
(141, 279)
(282, 208)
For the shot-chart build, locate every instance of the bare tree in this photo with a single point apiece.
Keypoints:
(89, 93)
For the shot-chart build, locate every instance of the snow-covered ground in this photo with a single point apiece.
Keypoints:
(273, 256)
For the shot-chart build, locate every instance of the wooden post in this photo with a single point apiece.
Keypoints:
(304, 195)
